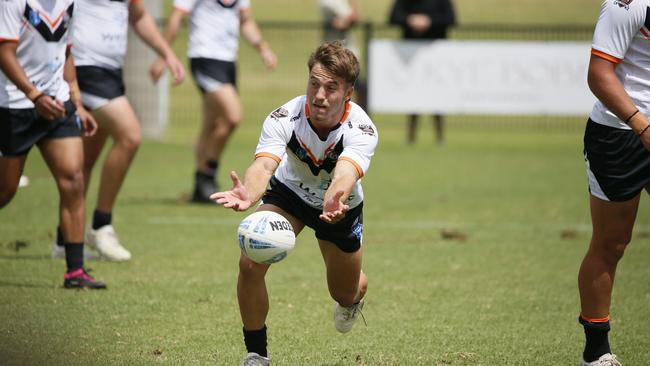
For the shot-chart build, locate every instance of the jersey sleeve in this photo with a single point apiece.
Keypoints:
(185, 5)
(360, 146)
(10, 20)
(616, 28)
(245, 4)
(275, 135)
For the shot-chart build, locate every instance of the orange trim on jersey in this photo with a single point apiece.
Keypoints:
(16, 40)
(356, 166)
(311, 154)
(605, 56)
(268, 155)
(595, 320)
(346, 112)
(645, 33)
(135, 1)
(55, 22)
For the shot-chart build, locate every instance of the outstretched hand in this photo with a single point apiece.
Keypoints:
(334, 210)
(237, 198)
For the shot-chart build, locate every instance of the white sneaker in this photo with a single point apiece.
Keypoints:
(106, 242)
(608, 359)
(253, 359)
(344, 317)
(58, 252)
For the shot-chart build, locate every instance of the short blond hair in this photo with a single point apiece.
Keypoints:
(336, 59)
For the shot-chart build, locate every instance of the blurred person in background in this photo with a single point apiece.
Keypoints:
(40, 105)
(423, 20)
(617, 154)
(215, 26)
(99, 39)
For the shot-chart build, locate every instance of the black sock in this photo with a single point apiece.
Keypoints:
(256, 341)
(59, 236)
(101, 219)
(209, 174)
(597, 343)
(74, 256)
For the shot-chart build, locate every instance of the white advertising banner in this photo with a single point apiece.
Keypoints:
(479, 77)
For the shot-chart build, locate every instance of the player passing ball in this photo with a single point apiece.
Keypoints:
(313, 151)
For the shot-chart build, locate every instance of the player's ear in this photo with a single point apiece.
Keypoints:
(349, 92)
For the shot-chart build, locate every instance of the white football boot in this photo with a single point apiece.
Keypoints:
(106, 242)
(344, 317)
(58, 252)
(608, 359)
(253, 359)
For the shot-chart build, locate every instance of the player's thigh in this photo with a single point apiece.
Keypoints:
(224, 103)
(296, 223)
(64, 157)
(119, 119)
(343, 268)
(612, 221)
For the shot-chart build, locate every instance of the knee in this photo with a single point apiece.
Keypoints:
(6, 194)
(71, 184)
(130, 142)
(249, 270)
(611, 250)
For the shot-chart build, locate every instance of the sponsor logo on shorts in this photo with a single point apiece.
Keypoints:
(357, 230)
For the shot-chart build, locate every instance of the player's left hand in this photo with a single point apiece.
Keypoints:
(87, 120)
(237, 198)
(334, 210)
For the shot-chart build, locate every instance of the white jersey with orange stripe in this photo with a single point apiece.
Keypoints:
(214, 27)
(622, 35)
(306, 161)
(100, 33)
(41, 30)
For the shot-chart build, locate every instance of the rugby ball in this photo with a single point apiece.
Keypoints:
(265, 237)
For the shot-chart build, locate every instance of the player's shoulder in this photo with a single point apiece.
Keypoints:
(290, 111)
(626, 7)
(359, 123)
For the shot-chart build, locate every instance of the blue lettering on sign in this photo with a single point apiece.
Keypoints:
(34, 19)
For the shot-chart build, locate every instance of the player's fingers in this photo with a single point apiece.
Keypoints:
(235, 178)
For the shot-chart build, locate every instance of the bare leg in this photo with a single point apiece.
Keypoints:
(118, 120)
(439, 127)
(11, 168)
(251, 286)
(612, 224)
(346, 282)
(412, 129)
(64, 157)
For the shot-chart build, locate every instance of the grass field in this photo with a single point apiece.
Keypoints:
(472, 249)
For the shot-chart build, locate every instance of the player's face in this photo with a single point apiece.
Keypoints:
(326, 95)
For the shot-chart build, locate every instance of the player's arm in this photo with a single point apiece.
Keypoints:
(345, 176)
(610, 91)
(251, 32)
(172, 27)
(244, 195)
(70, 76)
(146, 28)
(45, 106)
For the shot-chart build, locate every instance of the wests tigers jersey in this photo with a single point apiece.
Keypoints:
(214, 27)
(306, 161)
(40, 27)
(100, 32)
(622, 36)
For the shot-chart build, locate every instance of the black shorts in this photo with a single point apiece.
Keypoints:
(345, 234)
(618, 165)
(99, 85)
(210, 74)
(20, 129)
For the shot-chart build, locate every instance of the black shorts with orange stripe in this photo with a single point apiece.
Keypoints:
(345, 234)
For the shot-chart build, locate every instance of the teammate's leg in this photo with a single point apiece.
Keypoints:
(439, 128)
(222, 114)
(412, 128)
(252, 294)
(64, 157)
(612, 224)
(11, 168)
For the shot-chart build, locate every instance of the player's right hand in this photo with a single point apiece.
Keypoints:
(157, 69)
(49, 108)
(237, 198)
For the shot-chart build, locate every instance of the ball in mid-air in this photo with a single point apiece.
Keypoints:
(266, 237)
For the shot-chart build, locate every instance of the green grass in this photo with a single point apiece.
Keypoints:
(507, 295)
